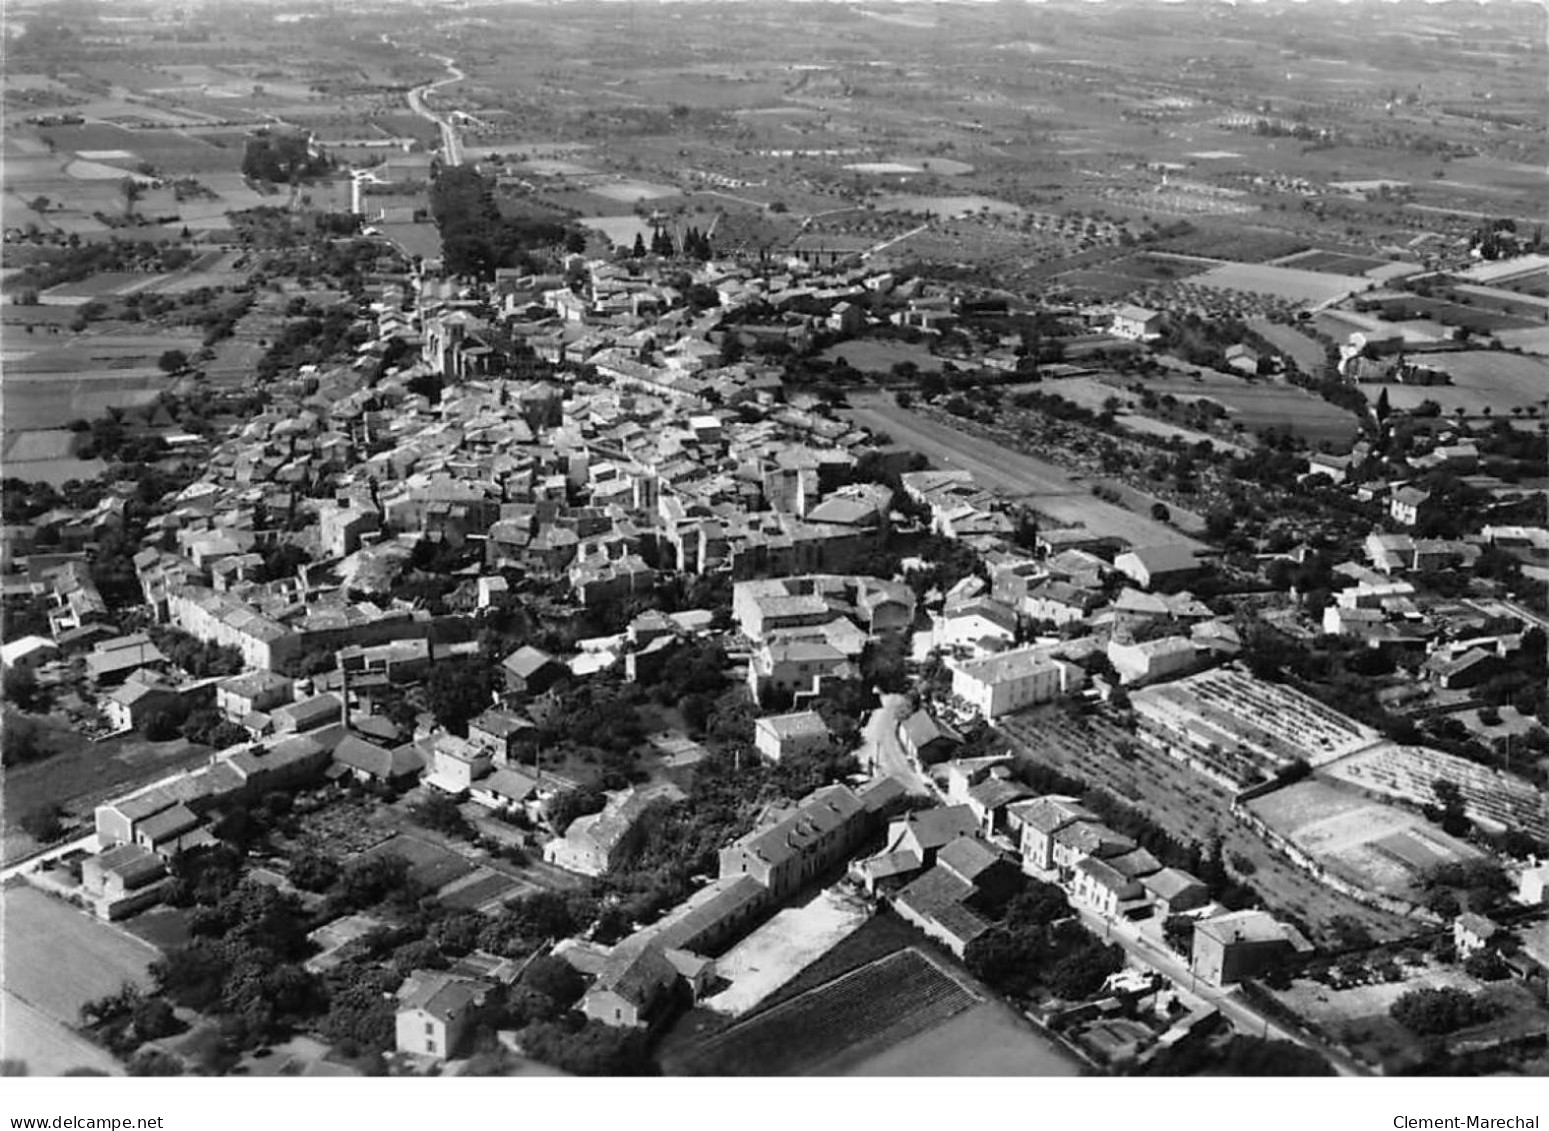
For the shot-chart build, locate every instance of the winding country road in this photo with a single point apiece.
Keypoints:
(451, 143)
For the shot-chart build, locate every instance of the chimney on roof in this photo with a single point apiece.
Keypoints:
(344, 695)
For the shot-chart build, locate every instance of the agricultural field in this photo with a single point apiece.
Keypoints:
(1408, 773)
(484, 889)
(46, 1047)
(1484, 382)
(81, 774)
(1239, 245)
(880, 355)
(1331, 262)
(988, 1039)
(1258, 405)
(1049, 489)
(430, 865)
(1189, 807)
(56, 958)
(839, 1024)
(1307, 352)
(1380, 848)
(1287, 284)
(1472, 318)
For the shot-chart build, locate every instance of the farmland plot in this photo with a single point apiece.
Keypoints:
(58, 957)
(877, 1006)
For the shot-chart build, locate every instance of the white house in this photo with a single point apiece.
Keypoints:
(434, 1012)
(782, 736)
(1407, 504)
(28, 652)
(1013, 680)
(1136, 323)
(1152, 659)
(974, 622)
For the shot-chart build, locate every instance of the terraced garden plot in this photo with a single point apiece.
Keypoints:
(474, 895)
(1334, 262)
(429, 865)
(879, 1005)
(1237, 244)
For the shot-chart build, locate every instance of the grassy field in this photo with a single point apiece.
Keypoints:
(1235, 244)
(1476, 320)
(43, 1045)
(1481, 379)
(1265, 404)
(82, 773)
(874, 356)
(1286, 283)
(1049, 489)
(1307, 352)
(58, 957)
(162, 927)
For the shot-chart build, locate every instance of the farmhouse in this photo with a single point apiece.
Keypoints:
(635, 983)
(1136, 323)
(112, 661)
(1473, 933)
(591, 844)
(1408, 505)
(123, 879)
(938, 904)
(435, 1011)
(506, 790)
(28, 652)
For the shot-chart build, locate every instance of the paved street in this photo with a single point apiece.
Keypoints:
(880, 752)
